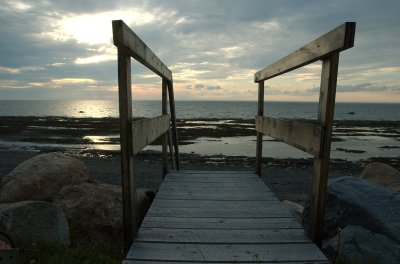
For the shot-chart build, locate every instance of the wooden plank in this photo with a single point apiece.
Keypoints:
(207, 190)
(173, 122)
(255, 205)
(217, 197)
(210, 179)
(164, 138)
(225, 252)
(321, 163)
(195, 262)
(186, 184)
(145, 131)
(127, 40)
(226, 175)
(337, 40)
(260, 112)
(130, 221)
(220, 223)
(195, 172)
(216, 236)
(224, 212)
(304, 136)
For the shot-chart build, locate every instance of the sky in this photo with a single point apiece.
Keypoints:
(64, 50)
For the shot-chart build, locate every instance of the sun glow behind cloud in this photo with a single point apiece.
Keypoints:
(92, 28)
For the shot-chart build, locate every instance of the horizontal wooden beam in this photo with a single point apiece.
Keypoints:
(338, 39)
(128, 41)
(145, 131)
(304, 136)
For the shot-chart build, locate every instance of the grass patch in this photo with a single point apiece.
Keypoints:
(82, 251)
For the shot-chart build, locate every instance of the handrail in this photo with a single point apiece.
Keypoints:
(135, 135)
(336, 40)
(312, 138)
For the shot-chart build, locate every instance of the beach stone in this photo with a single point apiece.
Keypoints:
(34, 221)
(96, 209)
(355, 201)
(382, 174)
(42, 177)
(361, 245)
(295, 209)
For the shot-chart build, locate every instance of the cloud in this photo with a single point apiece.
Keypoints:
(214, 43)
(370, 87)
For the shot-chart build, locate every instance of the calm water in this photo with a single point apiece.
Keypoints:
(197, 109)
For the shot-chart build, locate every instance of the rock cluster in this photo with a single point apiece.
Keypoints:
(44, 196)
(362, 216)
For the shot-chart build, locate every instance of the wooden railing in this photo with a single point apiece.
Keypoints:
(311, 138)
(135, 135)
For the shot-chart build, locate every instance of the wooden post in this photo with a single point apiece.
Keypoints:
(260, 112)
(173, 123)
(171, 150)
(128, 182)
(321, 163)
(164, 136)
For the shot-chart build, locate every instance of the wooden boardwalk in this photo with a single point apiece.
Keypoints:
(220, 217)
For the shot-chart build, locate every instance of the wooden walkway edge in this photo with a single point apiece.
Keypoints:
(220, 217)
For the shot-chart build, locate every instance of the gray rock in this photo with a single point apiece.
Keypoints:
(354, 201)
(359, 244)
(96, 209)
(382, 174)
(33, 221)
(42, 177)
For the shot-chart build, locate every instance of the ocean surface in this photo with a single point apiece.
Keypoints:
(197, 109)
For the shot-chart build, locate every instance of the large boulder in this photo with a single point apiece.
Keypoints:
(361, 245)
(354, 201)
(382, 174)
(42, 177)
(96, 209)
(34, 221)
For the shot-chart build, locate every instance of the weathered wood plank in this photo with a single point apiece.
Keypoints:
(260, 112)
(210, 179)
(337, 40)
(164, 137)
(126, 39)
(220, 212)
(225, 252)
(173, 123)
(145, 131)
(207, 190)
(195, 262)
(212, 172)
(304, 136)
(130, 222)
(186, 184)
(216, 236)
(220, 223)
(321, 163)
(218, 197)
(159, 203)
